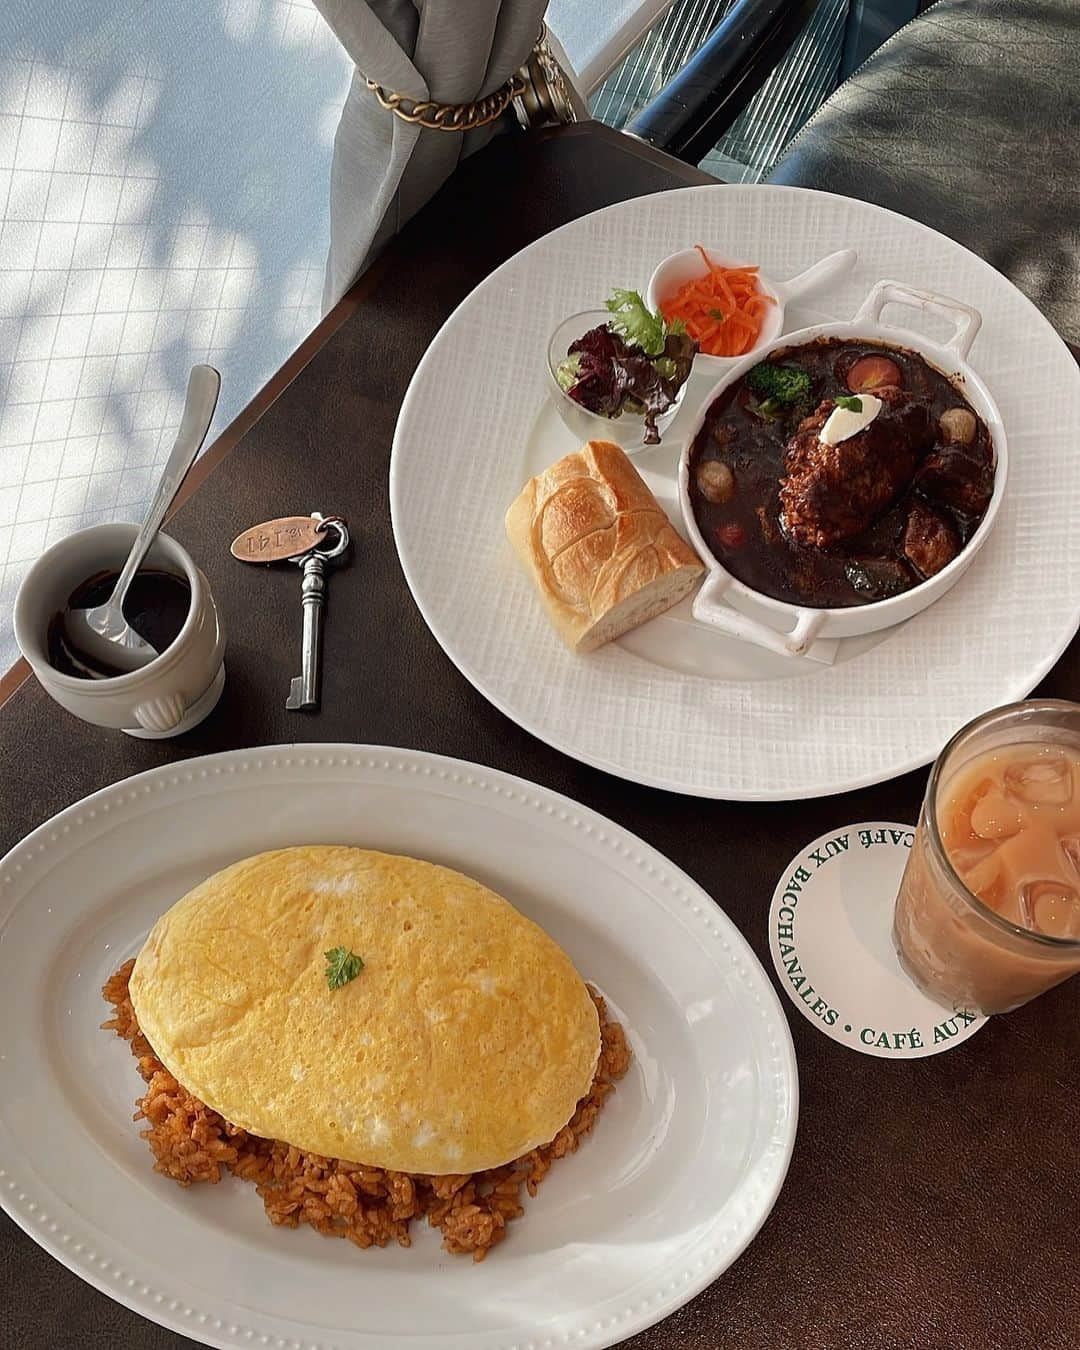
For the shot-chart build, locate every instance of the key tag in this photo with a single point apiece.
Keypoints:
(279, 540)
(311, 542)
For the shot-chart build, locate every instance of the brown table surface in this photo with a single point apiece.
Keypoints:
(930, 1202)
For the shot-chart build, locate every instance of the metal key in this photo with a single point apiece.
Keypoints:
(304, 689)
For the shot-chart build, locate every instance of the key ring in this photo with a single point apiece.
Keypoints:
(336, 523)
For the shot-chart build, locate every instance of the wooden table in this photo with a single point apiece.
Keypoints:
(930, 1203)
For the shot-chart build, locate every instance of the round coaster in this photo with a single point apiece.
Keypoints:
(830, 934)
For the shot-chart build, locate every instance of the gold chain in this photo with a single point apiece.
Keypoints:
(451, 116)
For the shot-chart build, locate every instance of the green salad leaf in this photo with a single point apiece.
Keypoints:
(635, 322)
(568, 371)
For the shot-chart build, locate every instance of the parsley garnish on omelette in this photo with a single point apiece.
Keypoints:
(342, 966)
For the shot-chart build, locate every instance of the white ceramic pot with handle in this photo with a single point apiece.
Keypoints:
(738, 610)
(169, 695)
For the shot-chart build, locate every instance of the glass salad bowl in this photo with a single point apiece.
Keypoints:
(628, 428)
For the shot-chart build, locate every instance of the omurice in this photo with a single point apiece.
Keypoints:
(368, 1038)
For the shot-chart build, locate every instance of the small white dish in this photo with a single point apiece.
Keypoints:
(688, 265)
(679, 1174)
(626, 430)
(170, 694)
(741, 612)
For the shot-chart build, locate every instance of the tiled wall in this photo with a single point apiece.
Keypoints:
(164, 174)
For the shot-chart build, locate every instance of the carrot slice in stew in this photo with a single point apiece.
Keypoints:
(873, 372)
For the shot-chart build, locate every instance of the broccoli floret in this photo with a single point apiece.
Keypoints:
(779, 385)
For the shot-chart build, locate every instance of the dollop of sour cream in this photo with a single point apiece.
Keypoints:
(844, 422)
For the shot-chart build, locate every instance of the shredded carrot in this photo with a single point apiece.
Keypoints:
(723, 310)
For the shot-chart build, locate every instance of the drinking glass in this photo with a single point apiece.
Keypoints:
(955, 948)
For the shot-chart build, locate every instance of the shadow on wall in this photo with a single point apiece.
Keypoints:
(164, 187)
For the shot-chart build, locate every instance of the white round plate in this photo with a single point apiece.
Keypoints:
(673, 704)
(678, 1176)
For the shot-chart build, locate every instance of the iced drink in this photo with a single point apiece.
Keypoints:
(988, 913)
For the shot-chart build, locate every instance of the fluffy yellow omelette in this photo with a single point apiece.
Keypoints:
(466, 1040)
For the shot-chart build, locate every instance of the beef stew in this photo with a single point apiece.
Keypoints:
(866, 517)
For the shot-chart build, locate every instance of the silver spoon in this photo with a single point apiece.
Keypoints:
(102, 632)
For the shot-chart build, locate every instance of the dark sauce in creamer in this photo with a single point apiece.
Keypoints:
(745, 532)
(156, 606)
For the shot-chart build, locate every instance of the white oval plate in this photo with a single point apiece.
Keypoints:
(674, 704)
(678, 1176)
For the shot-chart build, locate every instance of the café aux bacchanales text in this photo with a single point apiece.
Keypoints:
(785, 933)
